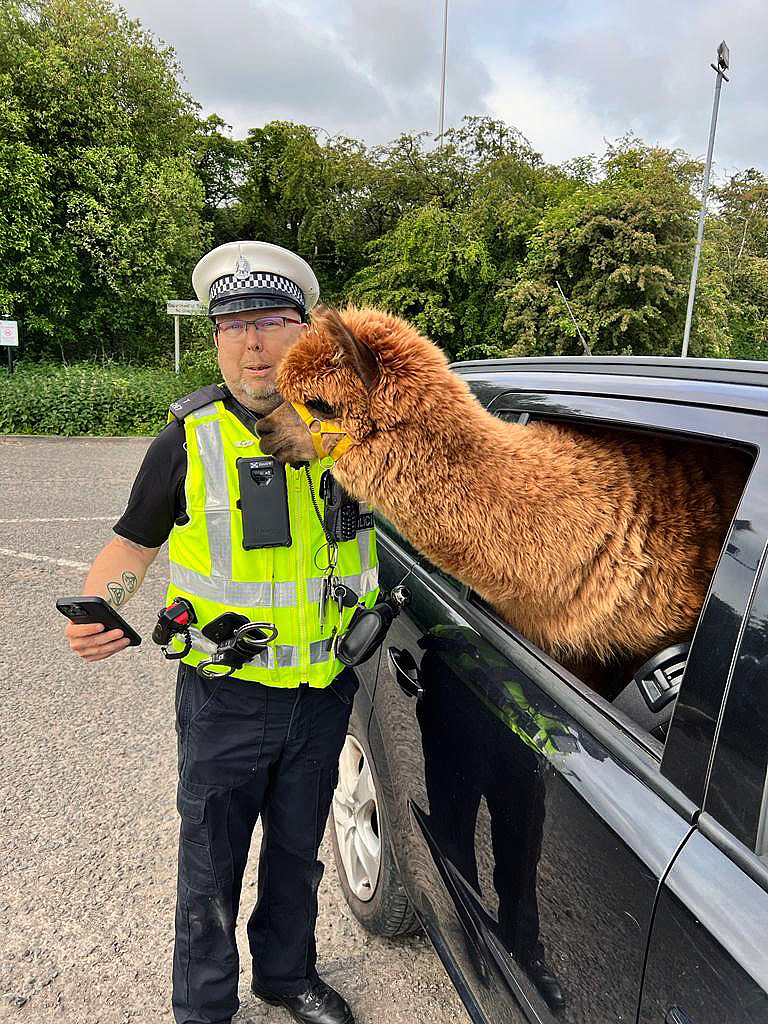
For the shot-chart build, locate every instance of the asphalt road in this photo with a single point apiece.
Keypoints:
(87, 785)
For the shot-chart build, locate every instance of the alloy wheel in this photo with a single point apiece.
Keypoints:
(356, 821)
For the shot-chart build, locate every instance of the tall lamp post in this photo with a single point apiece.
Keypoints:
(441, 127)
(720, 69)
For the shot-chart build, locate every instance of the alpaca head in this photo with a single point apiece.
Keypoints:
(364, 369)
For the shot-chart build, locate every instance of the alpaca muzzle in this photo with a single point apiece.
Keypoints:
(318, 429)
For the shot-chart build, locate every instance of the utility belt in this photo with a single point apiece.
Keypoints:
(238, 640)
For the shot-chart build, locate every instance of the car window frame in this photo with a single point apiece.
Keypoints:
(730, 729)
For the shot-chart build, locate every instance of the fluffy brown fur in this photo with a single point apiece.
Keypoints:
(596, 545)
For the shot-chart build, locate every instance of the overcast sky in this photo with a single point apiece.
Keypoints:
(568, 74)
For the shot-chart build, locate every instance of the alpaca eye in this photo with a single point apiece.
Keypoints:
(321, 407)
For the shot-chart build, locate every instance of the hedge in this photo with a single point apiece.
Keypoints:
(90, 398)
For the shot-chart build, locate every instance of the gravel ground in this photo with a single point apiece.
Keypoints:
(87, 786)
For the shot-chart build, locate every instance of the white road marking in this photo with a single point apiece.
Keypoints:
(44, 558)
(66, 519)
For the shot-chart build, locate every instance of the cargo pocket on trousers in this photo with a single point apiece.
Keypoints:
(327, 780)
(195, 862)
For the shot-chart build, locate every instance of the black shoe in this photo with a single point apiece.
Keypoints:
(549, 987)
(320, 1004)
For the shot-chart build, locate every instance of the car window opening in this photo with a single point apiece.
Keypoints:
(645, 688)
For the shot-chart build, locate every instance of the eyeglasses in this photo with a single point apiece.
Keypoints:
(236, 330)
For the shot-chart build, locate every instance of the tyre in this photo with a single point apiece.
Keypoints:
(361, 849)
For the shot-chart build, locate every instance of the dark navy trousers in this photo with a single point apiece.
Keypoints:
(247, 750)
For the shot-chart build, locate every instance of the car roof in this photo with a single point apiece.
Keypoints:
(723, 383)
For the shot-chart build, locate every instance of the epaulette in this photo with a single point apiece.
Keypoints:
(190, 403)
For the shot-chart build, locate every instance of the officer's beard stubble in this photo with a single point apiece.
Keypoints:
(262, 399)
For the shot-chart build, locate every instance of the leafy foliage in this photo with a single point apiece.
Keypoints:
(100, 217)
(88, 398)
(739, 243)
(620, 250)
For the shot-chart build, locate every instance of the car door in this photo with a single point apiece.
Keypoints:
(531, 821)
(708, 953)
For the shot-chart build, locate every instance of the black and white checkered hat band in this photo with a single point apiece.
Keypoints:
(231, 286)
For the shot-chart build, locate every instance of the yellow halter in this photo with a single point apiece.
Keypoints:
(318, 429)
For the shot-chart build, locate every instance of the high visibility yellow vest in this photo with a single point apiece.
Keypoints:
(280, 585)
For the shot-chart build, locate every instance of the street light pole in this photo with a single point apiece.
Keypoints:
(442, 74)
(720, 69)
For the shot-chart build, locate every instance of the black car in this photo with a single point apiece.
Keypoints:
(569, 858)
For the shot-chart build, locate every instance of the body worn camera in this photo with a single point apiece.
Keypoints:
(263, 503)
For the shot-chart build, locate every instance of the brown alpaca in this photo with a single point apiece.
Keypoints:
(597, 546)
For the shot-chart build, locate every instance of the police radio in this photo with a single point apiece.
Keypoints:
(341, 511)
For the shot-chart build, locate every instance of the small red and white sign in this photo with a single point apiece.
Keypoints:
(9, 333)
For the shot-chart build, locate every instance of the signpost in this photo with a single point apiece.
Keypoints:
(9, 335)
(177, 308)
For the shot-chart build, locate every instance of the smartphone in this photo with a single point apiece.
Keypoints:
(96, 609)
(263, 503)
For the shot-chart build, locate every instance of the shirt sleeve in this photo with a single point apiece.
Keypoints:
(157, 498)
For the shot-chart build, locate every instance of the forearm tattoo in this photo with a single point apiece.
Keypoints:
(120, 592)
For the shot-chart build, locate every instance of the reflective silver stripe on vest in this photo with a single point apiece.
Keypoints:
(222, 591)
(285, 595)
(265, 658)
(361, 584)
(217, 515)
(287, 657)
(369, 580)
(199, 642)
(230, 592)
(319, 652)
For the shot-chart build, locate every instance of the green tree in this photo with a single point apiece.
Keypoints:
(98, 197)
(621, 249)
(464, 210)
(738, 236)
(434, 269)
(221, 164)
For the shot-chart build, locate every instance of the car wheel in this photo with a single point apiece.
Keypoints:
(364, 862)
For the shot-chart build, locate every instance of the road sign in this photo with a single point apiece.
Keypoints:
(184, 307)
(9, 333)
(177, 308)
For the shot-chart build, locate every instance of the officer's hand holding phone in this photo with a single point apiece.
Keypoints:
(95, 630)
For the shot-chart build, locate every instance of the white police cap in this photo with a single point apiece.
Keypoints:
(254, 275)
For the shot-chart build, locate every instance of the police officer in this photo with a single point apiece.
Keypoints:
(265, 739)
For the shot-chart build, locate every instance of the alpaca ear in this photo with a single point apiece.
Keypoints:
(356, 355)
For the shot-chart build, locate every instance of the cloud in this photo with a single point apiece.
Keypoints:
(647, 69)
(568, 73)
(553, 115)
(366, 69)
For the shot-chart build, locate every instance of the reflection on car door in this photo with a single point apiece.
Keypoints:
(535, 847)
(708, 959)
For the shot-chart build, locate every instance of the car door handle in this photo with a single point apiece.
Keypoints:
(406, 672)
